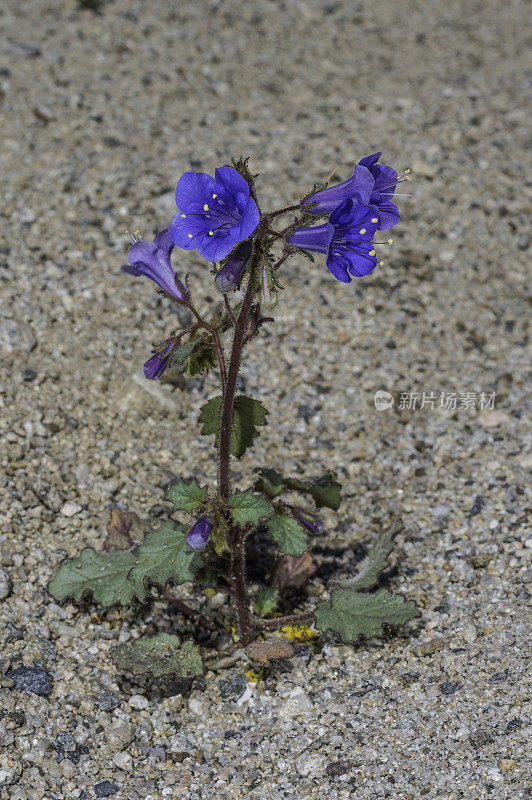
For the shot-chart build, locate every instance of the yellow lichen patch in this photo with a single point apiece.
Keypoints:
(209, 591)
(298, 633)
(254, 675)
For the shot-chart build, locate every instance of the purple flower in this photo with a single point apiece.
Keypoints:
(386, 180)
(156, 365)
(358, 186)
(311, 521)
(152, 259)
(198, 535)
(371, 183)
(346, 240)
(231, 272)
(214, 213)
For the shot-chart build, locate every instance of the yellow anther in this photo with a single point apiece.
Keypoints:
(211, 233)
(409, 178)
(362, 230)
(390, 241)
(374, 219)
(407, 171)
(205, 207)
(183, 216)
(381, 263)
(372, 252)
(190, 236)
(214, 196)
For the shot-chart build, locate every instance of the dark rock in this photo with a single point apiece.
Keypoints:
(233, 689)
(477, 506)
(108, 701)
(65, 741)
(514, 725)
(31, 679)
(450, 687)
(336, 768)
(499, 677)
(28, 375)
(105, 789)
(408, 678)
(480, 737)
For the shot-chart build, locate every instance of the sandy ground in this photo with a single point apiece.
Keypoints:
(100, 115)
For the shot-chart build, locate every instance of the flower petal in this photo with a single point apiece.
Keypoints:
(156, 365)
(231, 180)
(338, 265)
(198, 535)
(250, 218)
(387, 213)
(193, 187)
(370, 161)
(216, 247)
(163, 242)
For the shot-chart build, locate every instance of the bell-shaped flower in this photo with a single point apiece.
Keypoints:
(229, 276)
(371, 183)
(152, 259)
(346, 240)
(156, 365)
(198, 535)
(214, 213)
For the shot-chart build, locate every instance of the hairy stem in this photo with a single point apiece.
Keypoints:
(280, 622)
(238, 586)
(226, 418)
(218, 346)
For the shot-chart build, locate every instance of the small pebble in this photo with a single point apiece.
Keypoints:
(139, 702)
(70, 509)
(105, 789)
(5, 584)
(31, 679)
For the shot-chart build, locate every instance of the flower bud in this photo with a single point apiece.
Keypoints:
(198, 535)
(230, 274)
(311, 521)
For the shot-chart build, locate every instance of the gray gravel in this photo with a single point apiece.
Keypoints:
(101, 114)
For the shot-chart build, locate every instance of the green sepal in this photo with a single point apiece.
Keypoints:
(104, 575)
(376, 561)
(161, 655)
(354, 614)
(164, 556)
(289, 535)
(184, 351)
(265, 601)
(186, 496)
(248, 415)
(201, 360)
(247, 507)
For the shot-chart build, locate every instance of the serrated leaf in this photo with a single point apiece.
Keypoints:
(248, 415)
(325, 491)
(354, 614)
(376, 561)
(265, 601)
(159, 656)
(186, 496)
(104, 575)
(289, 535)
(164, 556)
(248, 507)
(270, 481)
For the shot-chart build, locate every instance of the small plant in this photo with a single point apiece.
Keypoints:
(205, 536)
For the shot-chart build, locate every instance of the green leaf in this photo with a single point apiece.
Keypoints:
(186, 496)
(270, 482)
(105, 575)
(325, 491)
(266, 601)
(354, 614)
(164, 556)
(289, 535)
(201, 360)
(248, 507)
(376, 562)
(159, 656)
(248, 415)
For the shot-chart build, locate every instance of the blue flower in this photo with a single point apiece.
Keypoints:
(156, 365)
(311, 521)
(214, 213)
(230, 274)
(198, 535)
(371, 183)
(386, 180)
(152, 259)
(346, 240)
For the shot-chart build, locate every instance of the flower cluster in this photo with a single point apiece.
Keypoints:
(219, 217)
